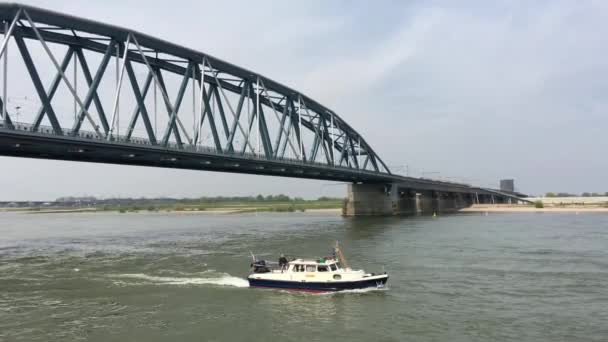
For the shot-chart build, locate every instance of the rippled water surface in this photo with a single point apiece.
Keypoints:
(168, 277)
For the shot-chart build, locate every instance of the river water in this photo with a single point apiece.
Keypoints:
(171, 277)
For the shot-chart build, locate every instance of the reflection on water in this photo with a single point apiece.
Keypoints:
(158, 277)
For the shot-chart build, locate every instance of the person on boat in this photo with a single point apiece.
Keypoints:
(283, 262)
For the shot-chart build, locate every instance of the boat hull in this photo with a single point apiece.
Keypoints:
(310, 286)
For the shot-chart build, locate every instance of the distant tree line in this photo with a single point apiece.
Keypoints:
(584, 194)
(168, 200)
(134, 204)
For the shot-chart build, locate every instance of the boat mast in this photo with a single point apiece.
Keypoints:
(340, 255)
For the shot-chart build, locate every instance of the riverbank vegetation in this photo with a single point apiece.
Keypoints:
(584, 194)
(242, 204)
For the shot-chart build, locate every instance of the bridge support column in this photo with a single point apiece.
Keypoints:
(407, 202)
(392, 199)
(449, 202)
(379, 200)
(427, 202)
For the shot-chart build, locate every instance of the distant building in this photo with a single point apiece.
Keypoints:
(507, 185)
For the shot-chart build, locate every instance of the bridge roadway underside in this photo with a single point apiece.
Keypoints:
(43, 146)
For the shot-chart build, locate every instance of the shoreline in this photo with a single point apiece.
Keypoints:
(218, 211)
(530, 209)
(498, 208)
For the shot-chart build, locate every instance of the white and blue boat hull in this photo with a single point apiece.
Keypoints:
(377, 281)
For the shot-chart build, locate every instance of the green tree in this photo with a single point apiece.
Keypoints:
(550, 194)
(282, 198)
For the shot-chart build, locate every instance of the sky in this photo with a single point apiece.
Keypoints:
(471, 91)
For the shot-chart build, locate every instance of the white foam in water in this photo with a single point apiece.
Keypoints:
(355, 291)
(223, 280)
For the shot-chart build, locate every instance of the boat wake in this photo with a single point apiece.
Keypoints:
(335, 293)
(223, 279)
(357, 291)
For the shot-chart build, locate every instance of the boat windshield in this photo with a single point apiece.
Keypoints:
(333, 267)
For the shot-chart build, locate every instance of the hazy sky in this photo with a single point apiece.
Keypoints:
(476, 90)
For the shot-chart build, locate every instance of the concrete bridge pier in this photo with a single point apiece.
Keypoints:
(376, 200)
(428, 202)
(452, 201)
(396, 199)
(407, 202)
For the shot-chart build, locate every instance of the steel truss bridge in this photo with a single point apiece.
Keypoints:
(124, 97)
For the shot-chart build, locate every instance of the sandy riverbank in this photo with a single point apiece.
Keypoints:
(530, 209)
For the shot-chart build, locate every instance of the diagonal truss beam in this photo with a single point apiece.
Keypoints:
(46, 103)
(53, 88)
(208, 113)
(140, 108)
(276, 114)
(90, 82)
(265, 135)
(9, 32)
(327, 142)
(220, 108)
(281, 130)
(262, 127)
(57, 66)
(93, 92)
(163, 88)
(251, 119)
(236, 121)
(221, 89)
(295, 122)
(156, 72)
(287, 138)
(171, 126)
(354, 153)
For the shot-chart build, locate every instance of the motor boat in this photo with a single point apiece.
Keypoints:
(326, 274)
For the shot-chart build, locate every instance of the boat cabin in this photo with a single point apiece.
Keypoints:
(310, 266)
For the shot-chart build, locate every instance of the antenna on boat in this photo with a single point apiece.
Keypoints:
(252, 256)
(340, 255)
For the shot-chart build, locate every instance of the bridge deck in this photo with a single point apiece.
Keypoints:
(88, 147)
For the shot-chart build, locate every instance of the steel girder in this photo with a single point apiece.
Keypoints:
(284, 122)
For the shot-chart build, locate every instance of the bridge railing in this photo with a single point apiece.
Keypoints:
(123, 139)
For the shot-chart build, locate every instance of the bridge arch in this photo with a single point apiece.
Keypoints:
(235, 111)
